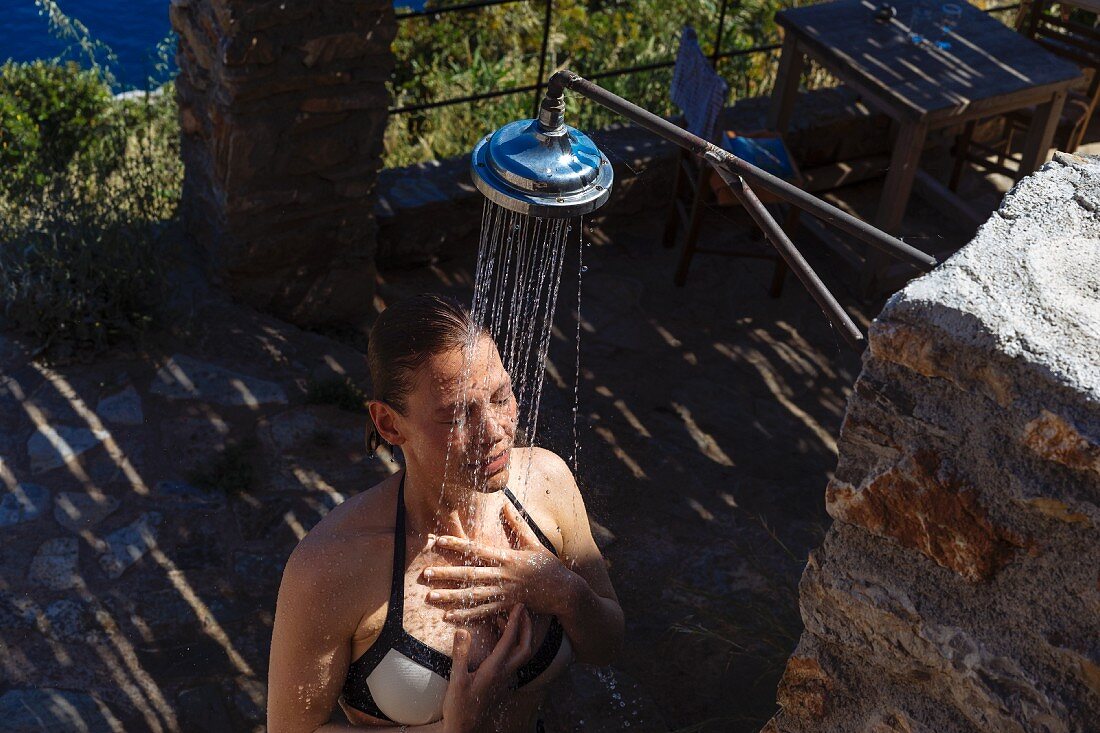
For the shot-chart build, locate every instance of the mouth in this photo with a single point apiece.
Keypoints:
(491, 465)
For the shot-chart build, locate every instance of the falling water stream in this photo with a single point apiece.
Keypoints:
(517, 280)
(516, 284)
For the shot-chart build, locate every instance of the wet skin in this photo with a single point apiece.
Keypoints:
(465, 542)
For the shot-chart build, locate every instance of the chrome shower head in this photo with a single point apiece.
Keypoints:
(548, 170)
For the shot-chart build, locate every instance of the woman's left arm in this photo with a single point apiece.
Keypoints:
(589, 611)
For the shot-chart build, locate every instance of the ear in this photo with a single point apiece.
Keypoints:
(384, 418)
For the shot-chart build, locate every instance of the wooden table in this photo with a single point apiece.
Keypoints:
(989, 70)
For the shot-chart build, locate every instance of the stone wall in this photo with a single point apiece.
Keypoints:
(282, 110)
(958, 587)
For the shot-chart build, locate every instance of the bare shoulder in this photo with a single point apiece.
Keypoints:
(549, 471)
(548, 466)
(344, 556)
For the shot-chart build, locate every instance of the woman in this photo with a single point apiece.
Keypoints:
(441, 557)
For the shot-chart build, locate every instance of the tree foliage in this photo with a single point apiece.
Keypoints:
(469, 52)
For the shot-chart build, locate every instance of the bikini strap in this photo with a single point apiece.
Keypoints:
(396, 610)
(530, 522)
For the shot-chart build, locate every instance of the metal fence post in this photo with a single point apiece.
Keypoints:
(714, 55)
(542, 56)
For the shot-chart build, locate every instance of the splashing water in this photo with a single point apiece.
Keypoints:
(516, 284)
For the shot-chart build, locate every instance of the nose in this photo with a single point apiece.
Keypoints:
(491, 428)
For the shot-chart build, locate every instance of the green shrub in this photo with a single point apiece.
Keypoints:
(49, 114)
(88, 191)
(83, 218)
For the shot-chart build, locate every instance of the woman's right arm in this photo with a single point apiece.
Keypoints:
(316, 615)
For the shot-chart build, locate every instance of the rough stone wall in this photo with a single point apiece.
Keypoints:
(282, 111)
(958, 587)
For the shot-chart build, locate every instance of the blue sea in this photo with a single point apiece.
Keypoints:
(131, 28)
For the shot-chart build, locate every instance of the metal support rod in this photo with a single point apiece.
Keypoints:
(779, 239)
(562, 80)
(542, 54)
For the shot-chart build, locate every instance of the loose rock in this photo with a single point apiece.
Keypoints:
(77, 511)
(45, 710)
(127, 545)
(67, 620)
(185, 378)
(55, 564)
(22, 504)
(186, 494)
(52, 446)
(123, 408)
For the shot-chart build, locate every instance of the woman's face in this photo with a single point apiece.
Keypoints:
(461, 413)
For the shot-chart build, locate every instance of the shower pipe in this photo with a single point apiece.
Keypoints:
(736, 173)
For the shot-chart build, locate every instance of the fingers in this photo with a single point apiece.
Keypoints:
(517, 526)
(525, 645)
(460, 656)
(502, 651)
(470, 596)
(463, 574)
(482, 554)
(469, 615)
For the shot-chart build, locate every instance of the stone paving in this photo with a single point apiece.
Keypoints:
(151, 498)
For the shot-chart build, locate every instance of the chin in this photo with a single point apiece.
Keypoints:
(497, 482)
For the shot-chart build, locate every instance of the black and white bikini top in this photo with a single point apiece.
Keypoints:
(401, 679)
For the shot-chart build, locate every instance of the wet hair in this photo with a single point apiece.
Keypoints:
(404, 336)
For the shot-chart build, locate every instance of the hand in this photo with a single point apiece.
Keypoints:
(472, 695)
(496, 579)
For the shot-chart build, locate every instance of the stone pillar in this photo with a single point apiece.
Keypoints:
(282, 111)
(957, 589)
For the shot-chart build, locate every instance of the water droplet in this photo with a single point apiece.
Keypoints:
(584, 268)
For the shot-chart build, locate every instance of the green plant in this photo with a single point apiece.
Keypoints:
(231, 472)
(88, 193)
(49, 115)
(339, 391)
(464, 53)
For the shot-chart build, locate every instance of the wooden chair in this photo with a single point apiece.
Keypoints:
(700, 93)
(1061, 34)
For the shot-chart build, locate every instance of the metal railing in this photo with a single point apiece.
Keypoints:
(537, 88)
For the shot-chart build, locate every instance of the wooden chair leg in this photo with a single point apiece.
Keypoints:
(962, 147)
(1006, 144)
(1077, 134)
(672, 221)
(692, 234)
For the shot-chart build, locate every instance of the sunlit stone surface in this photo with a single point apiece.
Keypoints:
(186, 378)
(957, 589)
